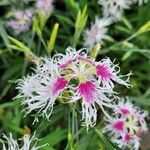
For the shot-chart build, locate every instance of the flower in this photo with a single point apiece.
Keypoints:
(44, 6)
(28, 143)
(21, 22)
(126, 125)
(76, 75)
(96, 32)
(114, 8)
(40, 90)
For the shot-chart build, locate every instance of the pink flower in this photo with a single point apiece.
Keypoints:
(126, 125)
(21, 22)
(78, 76)
(88, 74)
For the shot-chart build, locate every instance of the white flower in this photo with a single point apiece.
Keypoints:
(75, 74)
(27, 143)
(43, 92)
(114, 8)
(96, 32)
(126, 125)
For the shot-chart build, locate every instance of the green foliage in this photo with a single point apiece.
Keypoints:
(53, 36)
(79, 25)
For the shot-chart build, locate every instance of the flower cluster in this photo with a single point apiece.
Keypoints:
(29, 143)
(21, 21)
(76, 75)
(126, 125)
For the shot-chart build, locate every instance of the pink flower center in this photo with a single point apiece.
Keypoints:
(127, 137)
(58, 85)
(119, 125)
(124, 111)
(103, 71)
(86, 90)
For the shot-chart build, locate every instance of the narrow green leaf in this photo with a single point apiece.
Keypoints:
(38, 31)
(20, 46)
(53, 138)
(36, 27)
(8, 104)
(53, 36)
(4, 36)
(143, 101)
(104, 141)
(144, 28)
(127, 23)
(77, 24)
(126, 55)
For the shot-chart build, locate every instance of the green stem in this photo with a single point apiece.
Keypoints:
(76, 38)
(70, 144)
(31, 41)
(9, 104)
(126, 40)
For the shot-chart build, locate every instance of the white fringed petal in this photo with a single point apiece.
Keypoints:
(28, 143)
(110, 75)
(76, 74)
